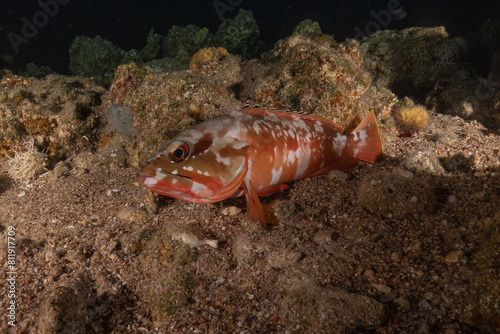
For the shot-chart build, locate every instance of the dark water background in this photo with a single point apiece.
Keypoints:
(127, 22)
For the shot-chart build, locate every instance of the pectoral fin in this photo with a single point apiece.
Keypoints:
(254, 207)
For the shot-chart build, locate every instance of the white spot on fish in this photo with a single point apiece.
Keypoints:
(194, 135)
(199, 188)
(226, 161)
(205, 173)
(276, 175)
(304, 156)
(174, 172)
(150, 182)
(239, 144)
(256, 128)
(362, 135)
(249, 170)
(199, 171)
(160, 175)
(290, 158)
(174, 181)
(339, 143)
(362, 141)
(301, 124)
(318, 127)
(190, 168)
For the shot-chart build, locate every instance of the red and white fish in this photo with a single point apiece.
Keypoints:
(253, 152)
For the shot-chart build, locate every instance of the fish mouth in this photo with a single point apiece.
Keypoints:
(151, 173)
(163, 183)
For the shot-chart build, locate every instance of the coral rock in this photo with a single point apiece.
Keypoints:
(239, 35)
(323, 78)
(182, 42)
(207, 59)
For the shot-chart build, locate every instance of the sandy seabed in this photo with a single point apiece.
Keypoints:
(407, 244)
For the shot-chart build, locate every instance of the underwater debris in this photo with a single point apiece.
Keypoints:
(121, 119)
(192, 240)
(27, 165)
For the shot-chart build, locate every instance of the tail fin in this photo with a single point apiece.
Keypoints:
(365, 140)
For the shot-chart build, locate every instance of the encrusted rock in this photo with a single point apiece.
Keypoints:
(423, 161)
(64, 309)
(312, 309)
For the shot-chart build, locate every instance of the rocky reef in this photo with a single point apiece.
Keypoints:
(60, 114)
(98, 58)
(240, 35)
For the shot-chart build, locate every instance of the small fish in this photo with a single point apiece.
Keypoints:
(253, 152)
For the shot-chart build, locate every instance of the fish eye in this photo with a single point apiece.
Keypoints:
(177, 151)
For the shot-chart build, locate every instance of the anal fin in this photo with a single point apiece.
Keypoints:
(343, 164)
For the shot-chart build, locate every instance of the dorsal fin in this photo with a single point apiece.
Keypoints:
(311, 119)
